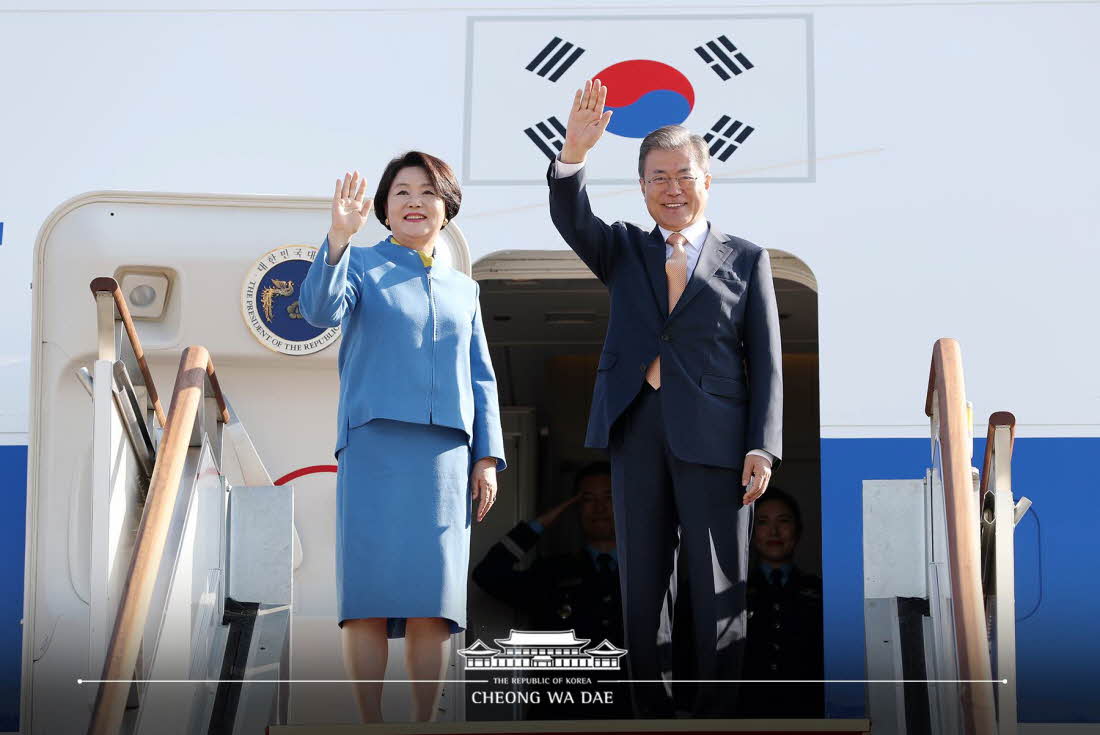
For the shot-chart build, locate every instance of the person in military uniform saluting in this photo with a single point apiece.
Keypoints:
(785, 635)
(578, 590)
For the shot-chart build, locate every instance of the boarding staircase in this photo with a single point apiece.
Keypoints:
(939, 591)
(192, 549)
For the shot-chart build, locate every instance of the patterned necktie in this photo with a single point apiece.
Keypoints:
(676, 272)
(776, 577)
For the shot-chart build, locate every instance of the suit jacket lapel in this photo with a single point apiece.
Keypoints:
(654, 257)
(715, 252)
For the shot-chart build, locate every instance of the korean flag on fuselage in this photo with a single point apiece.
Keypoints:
(741, 81)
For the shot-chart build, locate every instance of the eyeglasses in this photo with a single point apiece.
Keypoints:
(663, 181)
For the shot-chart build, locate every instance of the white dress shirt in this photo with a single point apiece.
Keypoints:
(696, 235)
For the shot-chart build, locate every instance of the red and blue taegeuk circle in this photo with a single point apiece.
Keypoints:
(644, 96)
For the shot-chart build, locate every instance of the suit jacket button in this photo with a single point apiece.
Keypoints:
(666, 338)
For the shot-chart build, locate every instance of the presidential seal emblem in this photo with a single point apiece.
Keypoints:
(269, 303)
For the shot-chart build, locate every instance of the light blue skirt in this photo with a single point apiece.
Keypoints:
(403, 524)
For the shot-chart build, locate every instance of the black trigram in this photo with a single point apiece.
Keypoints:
(548, 136)
(725, 137)
(723, 57)
(562, 55)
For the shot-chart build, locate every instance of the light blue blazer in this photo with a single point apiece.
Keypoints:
(412, 343)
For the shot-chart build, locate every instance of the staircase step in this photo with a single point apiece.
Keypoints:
(621, 727)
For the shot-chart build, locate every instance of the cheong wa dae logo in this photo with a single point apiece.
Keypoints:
(537, 649)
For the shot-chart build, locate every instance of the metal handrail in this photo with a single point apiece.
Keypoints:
(108, 285)
(122, 653)
(946, 399)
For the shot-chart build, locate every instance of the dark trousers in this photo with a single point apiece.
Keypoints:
(665, 507)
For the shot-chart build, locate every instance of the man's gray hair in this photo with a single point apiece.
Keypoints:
(674, 138)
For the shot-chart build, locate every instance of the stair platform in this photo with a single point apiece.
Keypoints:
(593, 727)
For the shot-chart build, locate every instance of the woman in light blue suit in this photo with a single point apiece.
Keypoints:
(418, 434)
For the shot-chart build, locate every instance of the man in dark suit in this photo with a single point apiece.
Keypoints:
(688, 397)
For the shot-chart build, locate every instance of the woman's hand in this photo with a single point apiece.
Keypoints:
(349, 209)
(483, 485)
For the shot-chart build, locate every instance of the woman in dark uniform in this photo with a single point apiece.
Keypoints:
(785, 634)
(418, 433)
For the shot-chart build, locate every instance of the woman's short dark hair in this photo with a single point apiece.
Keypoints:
(774, 493)
(439, 173)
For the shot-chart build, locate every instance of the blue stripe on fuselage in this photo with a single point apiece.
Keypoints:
(13, 482)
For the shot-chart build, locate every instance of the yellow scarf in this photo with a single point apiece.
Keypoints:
(424, 257)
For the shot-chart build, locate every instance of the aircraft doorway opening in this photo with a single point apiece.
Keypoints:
(545, 317)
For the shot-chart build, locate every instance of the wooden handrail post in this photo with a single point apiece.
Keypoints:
(1002, 436)
(947, 387)
(994, 461)
(137, 594)
(223, 410)
(999, 418)
(105, 286)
